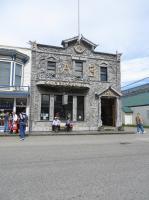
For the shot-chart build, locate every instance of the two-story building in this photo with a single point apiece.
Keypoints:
(15, 71)
(76, 81)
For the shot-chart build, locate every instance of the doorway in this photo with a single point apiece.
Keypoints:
(108, 111)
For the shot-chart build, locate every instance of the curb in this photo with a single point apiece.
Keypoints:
(73, 133)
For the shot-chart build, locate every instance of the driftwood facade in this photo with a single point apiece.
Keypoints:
(77, 82)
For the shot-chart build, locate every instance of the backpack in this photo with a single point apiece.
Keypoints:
(23, 118)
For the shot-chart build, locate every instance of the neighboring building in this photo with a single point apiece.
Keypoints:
(135, 100)
(15, 71)
(77, 82)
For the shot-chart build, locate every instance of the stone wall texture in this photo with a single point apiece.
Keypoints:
(90, 85)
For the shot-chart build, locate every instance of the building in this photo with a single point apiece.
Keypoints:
(134, 100)
(15, 71)
(74, 81)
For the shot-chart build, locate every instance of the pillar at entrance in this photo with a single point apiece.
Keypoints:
(99, 113)
(118, 112)
(74, 117)
(51, 114)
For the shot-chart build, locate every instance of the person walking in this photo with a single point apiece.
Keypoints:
(14, 122)
(23, 120)
(139, 123)
(6, 119)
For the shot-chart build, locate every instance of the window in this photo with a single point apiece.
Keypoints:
(51, 67)
(7, 77)
(78, 69)
(63, 110)
(103, 73)
(18, 74)
(80, 108)
(5, 73)
(45, 103)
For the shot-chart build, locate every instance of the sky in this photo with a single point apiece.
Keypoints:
(115, 25)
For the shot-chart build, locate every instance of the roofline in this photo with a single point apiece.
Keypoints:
(11, 46)
(86, 40)
(110, 88)
(77, 38)
(70, 39)
(50, 46)
(13, 53)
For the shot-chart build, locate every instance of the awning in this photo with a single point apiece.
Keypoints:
(14, 94)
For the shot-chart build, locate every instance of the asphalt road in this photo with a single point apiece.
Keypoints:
(98, 167)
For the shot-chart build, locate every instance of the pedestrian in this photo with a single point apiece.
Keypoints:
(6, 119)
(56, 124)
(14, 122)
(23, 120)
(68, 125)
(139, 123)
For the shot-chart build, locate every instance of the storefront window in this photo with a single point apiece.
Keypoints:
(6, 105)
(5, 73)
(20, 105)
(63, 106)
(80, 108)
(45, 103)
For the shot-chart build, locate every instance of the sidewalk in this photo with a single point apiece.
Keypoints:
(127, 130)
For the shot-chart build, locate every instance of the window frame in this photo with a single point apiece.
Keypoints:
(78, 71)
(51, 71)
(103, 74)
(10, 73)
(14, 74)
(78, 109)
(41, 107)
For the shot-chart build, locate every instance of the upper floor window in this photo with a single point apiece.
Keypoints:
(51, 67)
(78, 69)
(10, 74)
(18, 74)
(103, 74)
(5, 68)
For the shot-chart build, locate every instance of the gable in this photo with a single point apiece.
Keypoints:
(79, 44)
(110, 92)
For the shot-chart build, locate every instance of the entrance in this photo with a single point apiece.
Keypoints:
(108, 111)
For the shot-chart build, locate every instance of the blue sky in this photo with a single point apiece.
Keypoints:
(117, 25)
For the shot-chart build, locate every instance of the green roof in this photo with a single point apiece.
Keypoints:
(141, 99)
(127, 110)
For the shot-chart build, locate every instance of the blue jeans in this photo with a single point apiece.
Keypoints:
(140, 128)
(22, 130)
(5, 126)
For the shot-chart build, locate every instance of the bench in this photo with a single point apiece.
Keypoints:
(63, 127)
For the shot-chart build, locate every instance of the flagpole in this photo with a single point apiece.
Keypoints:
(79, 19)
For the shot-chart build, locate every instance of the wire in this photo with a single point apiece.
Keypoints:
(135, 82)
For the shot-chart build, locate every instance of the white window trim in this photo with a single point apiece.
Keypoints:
(8, 61)
(14, 74)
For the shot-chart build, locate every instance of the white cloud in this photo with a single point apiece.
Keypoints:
(114, 25)
(134, 69)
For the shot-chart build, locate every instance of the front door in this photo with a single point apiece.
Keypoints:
(108, 111)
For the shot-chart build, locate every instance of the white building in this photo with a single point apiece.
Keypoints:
(15, 75)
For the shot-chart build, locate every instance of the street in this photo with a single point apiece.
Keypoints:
(84, 167)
